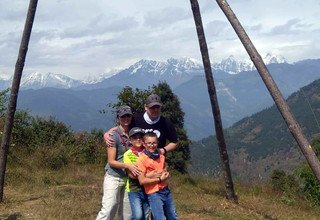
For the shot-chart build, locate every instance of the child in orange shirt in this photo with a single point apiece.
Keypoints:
(159, 195)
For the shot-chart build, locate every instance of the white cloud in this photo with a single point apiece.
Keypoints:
(165, 17)
(77, 37)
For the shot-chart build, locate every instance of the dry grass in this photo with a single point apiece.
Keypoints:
(75, 193)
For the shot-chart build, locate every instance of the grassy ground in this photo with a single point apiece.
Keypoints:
(75, 193)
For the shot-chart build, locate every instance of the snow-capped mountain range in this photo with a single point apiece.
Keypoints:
(239, 95)
(234, 66)
(170, 67)
(38, 80)
(176, 70)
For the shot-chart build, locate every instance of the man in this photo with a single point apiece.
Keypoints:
(152, 121)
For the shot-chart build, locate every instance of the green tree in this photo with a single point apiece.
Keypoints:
(22, 134)
(135, 98)
(3, 102)
(309, 183)
(49, 131)
(3, 108)
(171, 109)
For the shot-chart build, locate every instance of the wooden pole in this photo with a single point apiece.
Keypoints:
(273, 89)
(214, 102)
(14, 92)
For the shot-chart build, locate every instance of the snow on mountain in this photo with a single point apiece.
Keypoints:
(233, 66)
(183, 65)
(170, 67)
(38, 80)
(269, 58)
(174, 70)
(92, 79)
(145, 73)
(147, 66)
(187, 65)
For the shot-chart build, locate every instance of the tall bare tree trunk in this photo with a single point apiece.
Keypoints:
(14, 92)
(273, 89)
(214, 102)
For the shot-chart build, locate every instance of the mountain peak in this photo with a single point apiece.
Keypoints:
(174, 69)
(185, 61)
(270, 58)
(172, 66)
(183, 64)
(232, 65)
(38, 80)
(92, 79)
(146, 66)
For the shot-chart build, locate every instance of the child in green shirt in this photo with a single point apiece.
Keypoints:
(137, 197)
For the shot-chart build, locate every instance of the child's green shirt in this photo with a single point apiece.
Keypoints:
(132, 185)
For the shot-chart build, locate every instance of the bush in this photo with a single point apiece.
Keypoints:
(310, 185)
(89, 147)
(286, 184)
(52, 144)
(56, 160)
(282, 182)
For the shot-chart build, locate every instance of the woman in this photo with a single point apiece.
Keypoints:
(115, 198)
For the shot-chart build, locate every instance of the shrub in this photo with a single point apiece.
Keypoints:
(56, 160)
(309, 183)
(282, 182)
(89, 147)
(52, 144)
(286, 184)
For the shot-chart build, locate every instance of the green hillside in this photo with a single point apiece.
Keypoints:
(262, 142)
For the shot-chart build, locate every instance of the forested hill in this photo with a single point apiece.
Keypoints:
(262, 142)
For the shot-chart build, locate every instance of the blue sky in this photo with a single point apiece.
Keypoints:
(80, 38)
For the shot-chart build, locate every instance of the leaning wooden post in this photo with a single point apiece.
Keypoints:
(14, 92)
(214, 101)
(273, 89)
